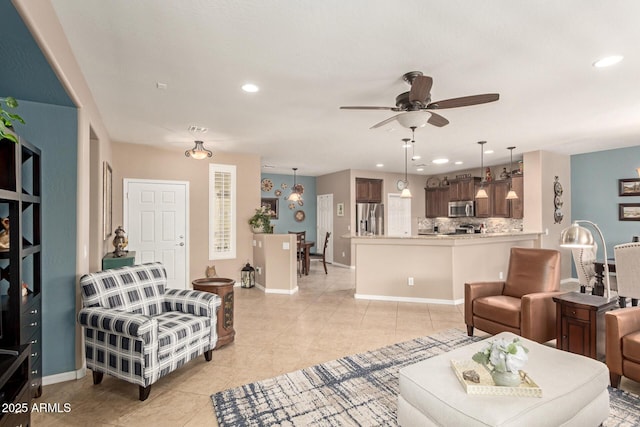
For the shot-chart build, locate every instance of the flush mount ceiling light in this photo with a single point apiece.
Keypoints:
(413, 119)
(458, 162)
(482, 193)
(296, 194)
(379, 165)
(608, 61)
(250, 87)
(198, 152)
(440, 161)
(511, 195)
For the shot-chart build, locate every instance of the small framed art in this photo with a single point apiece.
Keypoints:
(629, 187)
(629, 212)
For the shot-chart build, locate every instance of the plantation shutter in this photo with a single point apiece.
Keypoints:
(222, 211)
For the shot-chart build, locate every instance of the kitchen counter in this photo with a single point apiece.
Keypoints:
(437, 265)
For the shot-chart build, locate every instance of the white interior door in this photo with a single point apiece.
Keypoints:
(324, 217)
(399, 221)
(155, 218)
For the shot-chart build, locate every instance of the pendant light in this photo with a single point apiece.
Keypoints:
(406, 193)
(482, 193)
(511, 195)
(198, 152)
(295, 195)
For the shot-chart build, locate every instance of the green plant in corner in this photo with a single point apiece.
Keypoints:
(261, 219)
(7, 118)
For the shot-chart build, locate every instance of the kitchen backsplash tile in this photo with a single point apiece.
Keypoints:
(493, 225)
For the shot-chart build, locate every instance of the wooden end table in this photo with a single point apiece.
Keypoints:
(224, 289)
(580, 323)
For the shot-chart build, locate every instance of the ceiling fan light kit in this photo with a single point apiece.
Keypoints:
(415, 107)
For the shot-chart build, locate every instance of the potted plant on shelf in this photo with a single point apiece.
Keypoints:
(7, 118)
(261, 220)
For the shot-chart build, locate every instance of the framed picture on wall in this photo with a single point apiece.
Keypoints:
(629, 187)
(629, 211)
(272, 204)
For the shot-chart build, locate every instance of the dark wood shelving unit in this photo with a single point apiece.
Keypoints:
(21, 264)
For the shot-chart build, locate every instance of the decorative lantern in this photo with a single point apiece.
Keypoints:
(248, 276)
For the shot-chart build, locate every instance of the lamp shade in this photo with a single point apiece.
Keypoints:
(482, 193)
(294, 197)
(511, 195)
(576, 236)
(406, 193)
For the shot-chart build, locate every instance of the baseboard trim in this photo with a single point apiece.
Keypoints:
(337, 264)
(281, 291)
(409, 299)
(64, 376)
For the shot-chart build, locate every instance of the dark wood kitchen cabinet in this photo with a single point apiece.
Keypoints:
(436, 202)
(368, 190)
(462, 189)
(496, 205)
(517, 205)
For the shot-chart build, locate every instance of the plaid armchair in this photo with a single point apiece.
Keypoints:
(138, 330)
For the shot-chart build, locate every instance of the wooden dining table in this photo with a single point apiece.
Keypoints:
(305, 248)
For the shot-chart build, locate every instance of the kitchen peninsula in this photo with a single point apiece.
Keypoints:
(431, 269)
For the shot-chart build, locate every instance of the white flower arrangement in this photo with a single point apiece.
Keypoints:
(503, 356)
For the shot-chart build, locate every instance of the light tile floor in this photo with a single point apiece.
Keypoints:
(275, 334)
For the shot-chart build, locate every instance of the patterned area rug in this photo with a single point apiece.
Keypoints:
(358, 390)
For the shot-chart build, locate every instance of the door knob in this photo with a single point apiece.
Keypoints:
(180, 244)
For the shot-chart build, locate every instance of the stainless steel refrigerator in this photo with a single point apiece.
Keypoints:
(370, 219)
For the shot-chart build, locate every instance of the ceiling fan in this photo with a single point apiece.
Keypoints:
(416, 108)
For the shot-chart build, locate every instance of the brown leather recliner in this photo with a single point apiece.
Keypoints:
(622, 339)
(523, 303)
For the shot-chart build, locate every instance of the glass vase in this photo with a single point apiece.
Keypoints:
(506, 379)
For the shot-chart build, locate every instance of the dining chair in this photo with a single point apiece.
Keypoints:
(323, 256)
(584, 260)
(627, 257)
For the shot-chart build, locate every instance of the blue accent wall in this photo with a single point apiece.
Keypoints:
(594, 193)
(54, 129)
(286, 217)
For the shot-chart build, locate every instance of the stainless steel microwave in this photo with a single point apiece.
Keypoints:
(462, 209)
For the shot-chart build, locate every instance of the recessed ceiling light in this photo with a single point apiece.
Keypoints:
(608, 61)
(458, 162)
(440, 161)
(420, 169)
(488, 152)
(416, 157)
(268, 166)
(379, 165)
(250, 87)
(161, 86)
(198, 129)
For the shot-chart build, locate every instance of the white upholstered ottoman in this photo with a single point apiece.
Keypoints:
(574, 392)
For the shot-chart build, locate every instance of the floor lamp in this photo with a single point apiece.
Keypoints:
(576, 236)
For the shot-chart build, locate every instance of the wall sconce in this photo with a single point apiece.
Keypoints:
(198, 152)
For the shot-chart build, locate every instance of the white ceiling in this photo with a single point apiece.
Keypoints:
(309, 57)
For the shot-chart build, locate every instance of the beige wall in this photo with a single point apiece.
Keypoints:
(144, 162)
(276, 265)
(338, 184)
(541, 168)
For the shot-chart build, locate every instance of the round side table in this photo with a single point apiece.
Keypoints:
(224, 289)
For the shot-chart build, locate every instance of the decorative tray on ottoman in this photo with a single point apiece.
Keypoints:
(486, 386)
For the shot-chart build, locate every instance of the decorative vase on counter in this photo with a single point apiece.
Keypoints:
(506, 379)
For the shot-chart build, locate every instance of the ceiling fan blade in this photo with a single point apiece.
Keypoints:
(464, 101)
(366, 108)
(437, 120)
(384, 122)
(420, 89)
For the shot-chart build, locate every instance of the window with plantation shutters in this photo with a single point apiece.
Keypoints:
(222, 211)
